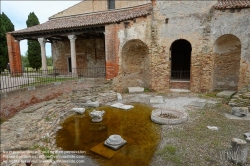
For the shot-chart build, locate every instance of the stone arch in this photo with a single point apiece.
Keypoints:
(227, 55)
(180, 59)
(135, 64)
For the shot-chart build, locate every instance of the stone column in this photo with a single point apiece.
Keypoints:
(72, 39)
(42, 42)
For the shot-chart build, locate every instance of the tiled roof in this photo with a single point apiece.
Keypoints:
(90, 19)
(232, 4)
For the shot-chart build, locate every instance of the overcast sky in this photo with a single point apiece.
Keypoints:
(18, 12)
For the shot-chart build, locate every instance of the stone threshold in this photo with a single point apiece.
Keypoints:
(180, 90)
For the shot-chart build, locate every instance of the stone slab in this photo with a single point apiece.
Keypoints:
(156, 100)
(116, 105)
(180, 90)
(79, 110)
(233, 117)
(212, 128)
(240, 111)
(107, 152)
(248, 139)
(31, 88)
(91, 104)
(57, 83)
(226, 94)
(126, 107)
(135, 89)
(246, 135)
(122, 106)
(115, 147)
(198, 104)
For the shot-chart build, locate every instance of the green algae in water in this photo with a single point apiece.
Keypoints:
(80, 133)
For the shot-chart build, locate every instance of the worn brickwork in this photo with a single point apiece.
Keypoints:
(111, 48)
(179, 84)
(14, 55)
(237, 23)
(132, 53)
(197, 23)
(89, 53)
(88, 6)
(185, 20)
(227, 51)
(136, 52)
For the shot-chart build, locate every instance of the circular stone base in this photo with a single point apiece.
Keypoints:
(155, 117)
(96, 120)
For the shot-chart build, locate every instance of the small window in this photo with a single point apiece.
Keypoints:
(111, 4)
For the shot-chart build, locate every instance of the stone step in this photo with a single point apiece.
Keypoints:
(180, 90)
(226, 94)
(179, 84)
(135, 89)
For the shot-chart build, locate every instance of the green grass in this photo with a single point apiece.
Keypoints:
(46, 151)
(199, 144)
(169, 153)
(31, 69)
(2, 120)
(47, 80)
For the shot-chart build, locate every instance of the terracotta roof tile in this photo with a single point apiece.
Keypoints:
(232, 4)
(90, 19)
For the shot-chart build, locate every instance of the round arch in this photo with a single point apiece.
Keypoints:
(180, 59)
(135, 63)
(227, 54)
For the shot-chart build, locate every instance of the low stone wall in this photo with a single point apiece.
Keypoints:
(13, 102)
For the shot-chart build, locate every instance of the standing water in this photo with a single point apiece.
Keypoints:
(79, 133)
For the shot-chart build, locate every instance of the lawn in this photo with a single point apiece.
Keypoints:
(192, 143)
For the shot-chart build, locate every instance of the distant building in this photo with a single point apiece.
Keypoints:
(196, 45)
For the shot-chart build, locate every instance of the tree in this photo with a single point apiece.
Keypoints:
(5, 26)
(25, 60)
(34, 49)
(49, 61)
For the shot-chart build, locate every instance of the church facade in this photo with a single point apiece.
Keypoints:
(161, 45)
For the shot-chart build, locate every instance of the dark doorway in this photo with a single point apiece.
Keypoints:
(69, 64)
(180, 60)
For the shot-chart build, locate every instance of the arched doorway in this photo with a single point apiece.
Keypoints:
(135, 64)
(227, 51)
(180, 60)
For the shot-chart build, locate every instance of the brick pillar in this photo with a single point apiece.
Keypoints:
(111, 47)
(14, 55)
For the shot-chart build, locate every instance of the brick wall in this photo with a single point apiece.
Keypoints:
(227, 51)
(89, 53)
(111, 49)
(179, 84)
(14, 54)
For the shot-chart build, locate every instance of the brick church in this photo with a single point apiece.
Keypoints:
(195, 45)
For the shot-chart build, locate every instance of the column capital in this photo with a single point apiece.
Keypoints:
(42, 40)
(72, 37)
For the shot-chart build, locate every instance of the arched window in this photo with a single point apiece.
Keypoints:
(111, 4)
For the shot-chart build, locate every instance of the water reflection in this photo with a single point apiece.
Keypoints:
(80, 133)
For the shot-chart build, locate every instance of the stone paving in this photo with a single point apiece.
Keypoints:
(37, 125)
(241, 99)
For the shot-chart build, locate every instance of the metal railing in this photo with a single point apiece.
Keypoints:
(180, 75)
(28, 77)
